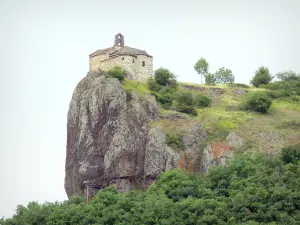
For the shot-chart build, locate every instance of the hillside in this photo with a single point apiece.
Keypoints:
(177, 153)
(268, 132)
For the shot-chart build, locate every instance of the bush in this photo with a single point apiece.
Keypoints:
(274, 94)
(153, 86)
(259, 102)
(203, 101)
(185, 102)
(186, 109)
(175, 141)
(262, 76)
(165, 97)
(116, 72)
(164, 77)
(291, 154)
(184, 97)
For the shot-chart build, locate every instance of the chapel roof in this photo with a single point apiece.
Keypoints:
(125, 50)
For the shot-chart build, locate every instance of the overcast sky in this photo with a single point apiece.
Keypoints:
(44, 50)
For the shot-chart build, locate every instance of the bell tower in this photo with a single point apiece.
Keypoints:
(119, 40)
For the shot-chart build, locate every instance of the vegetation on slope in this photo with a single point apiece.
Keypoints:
(252, 189)
(255, 188)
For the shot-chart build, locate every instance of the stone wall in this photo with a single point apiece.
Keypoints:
(132, 64)
(95, 61)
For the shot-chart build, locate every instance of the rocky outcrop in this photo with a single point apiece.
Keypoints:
(234, 140)
(240, 91)
(192, 142)
(219, 154)
(215, 155)
(216, 91)
(109, 140)
(193, 88)
(158, 156)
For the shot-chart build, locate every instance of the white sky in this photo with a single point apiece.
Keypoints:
(44, 50)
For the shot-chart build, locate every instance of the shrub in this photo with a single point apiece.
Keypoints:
(164, 96)
(116, 72)
(274, 94)
(184, 97)
(259, 102)
(262, 76)
(291, 154)
(203, 101)
(153, 86)
(175, 141)
(185, 103)
(164, 77)
(272, 86)
(190, 109)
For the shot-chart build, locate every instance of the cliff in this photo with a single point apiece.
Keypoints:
(109, 140)
(118, 133)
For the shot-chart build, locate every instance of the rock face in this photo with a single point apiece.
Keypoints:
(215, 155)
(234, 140)
(219, 154)
(192, 142)
(109, 139)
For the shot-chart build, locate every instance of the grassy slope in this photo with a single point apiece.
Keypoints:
(268, 132)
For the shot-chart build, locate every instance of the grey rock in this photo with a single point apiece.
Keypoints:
(269, 136)
(196, 135)
(215, 157)
(158, 157)
(216, 91)
(192, 142)
(240, 91)
(108, 138)
(234, 140)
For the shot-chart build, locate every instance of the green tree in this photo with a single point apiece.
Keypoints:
(210, 78)
(288, 76)
(259, 102)
(201, 67)
(223, 76)
(164, 77)
(262, 76)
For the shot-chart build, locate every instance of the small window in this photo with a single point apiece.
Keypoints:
(132, 60)
(123, 58)
(143, 63)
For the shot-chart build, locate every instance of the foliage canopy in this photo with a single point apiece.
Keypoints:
(252, 189)
(223, 76)
(262, 76)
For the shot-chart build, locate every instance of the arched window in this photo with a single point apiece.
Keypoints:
(143, 63)
(123, 58)
(132, 60)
